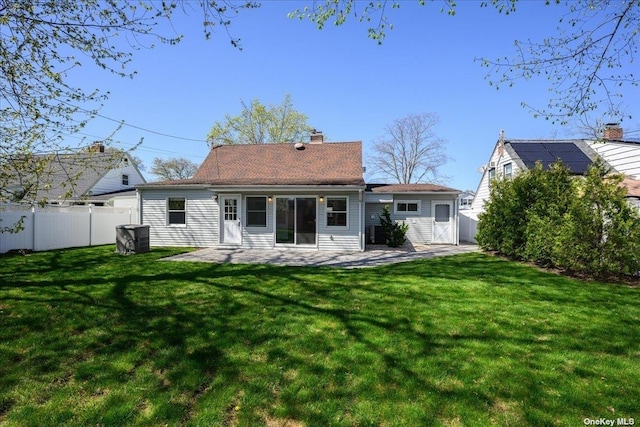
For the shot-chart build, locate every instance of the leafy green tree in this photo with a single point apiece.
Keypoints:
(394, 232)
(552, 192)
(580, 224)
(260, 124)
(518, 208)
(174, 168)
(600, 235)
(43, 42)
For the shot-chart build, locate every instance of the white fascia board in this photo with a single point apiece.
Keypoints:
(285, 188)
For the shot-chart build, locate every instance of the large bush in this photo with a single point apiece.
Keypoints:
(601, 230)
(523, 210)
(581, 224)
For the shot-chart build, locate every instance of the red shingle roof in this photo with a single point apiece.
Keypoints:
(632, 186)
(282, 164)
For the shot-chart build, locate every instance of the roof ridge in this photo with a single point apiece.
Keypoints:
(281, 144)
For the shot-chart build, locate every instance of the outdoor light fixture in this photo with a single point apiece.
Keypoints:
(321, 199)
(270, 199)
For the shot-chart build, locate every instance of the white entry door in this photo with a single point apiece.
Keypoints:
(231, 224)
(442, 222)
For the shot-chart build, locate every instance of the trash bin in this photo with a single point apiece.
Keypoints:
(132, 238)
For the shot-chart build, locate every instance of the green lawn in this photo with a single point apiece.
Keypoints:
(89, 337)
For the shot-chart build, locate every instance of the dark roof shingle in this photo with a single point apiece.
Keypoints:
(283, 164)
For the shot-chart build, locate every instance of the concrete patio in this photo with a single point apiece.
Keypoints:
(373, 256)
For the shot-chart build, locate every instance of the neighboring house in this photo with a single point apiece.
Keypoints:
(633, 190)
(309, 196)
(91, 176)
(512, 155)
(466, 199)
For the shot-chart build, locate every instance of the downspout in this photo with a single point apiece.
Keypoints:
(360, 216)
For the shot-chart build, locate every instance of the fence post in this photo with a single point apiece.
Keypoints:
(90, 222)
(33, 228)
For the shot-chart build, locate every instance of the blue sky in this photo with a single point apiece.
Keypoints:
(347, 85)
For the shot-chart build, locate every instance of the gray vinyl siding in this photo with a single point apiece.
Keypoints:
(420, 226)
(203, 221)
(258, 237)
(327, 238)
(340, 238)
(201, 228)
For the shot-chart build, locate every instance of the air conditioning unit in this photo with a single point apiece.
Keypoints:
(132, 239)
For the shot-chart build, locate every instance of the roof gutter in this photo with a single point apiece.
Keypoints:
(173, 186)
(237, 188)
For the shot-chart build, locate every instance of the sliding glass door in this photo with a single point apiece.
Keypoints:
(296, 220)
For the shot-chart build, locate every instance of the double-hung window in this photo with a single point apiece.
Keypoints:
(256, 211)
(125, 179)
(492, 175)
(336, 211)
(507, 170)
(409, 207)
(176, 211)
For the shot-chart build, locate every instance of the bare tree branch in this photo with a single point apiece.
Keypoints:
(410, 151)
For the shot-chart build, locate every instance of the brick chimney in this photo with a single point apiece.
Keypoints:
(612, 132)
(317, 137)
(97, 147)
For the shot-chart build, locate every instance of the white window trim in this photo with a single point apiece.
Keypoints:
(185, 211)
(397, 212)
(489, 177)
(266, 212)
(504, 170)
(326, 211)
(123, 177)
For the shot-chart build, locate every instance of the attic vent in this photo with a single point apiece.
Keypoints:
(299, 146)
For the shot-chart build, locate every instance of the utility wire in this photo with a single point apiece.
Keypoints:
(123, 123)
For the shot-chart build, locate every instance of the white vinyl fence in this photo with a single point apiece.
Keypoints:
(62, 227)
(468, 226)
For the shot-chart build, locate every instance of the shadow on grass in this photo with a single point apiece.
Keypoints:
(190, 342)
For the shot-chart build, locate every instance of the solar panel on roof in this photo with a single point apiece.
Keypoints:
(548, 152)
(527, 146)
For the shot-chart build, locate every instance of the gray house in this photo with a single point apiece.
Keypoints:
(305, 196)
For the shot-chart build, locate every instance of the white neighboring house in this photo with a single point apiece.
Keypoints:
(465, 200)
(512, 155)
(93, 176)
